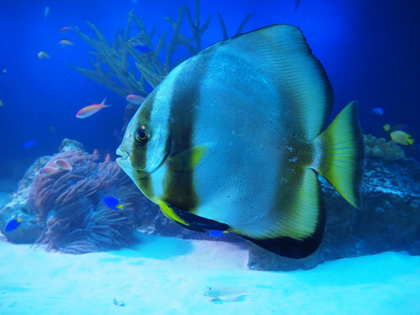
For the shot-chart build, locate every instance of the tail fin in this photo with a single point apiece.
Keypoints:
(342, 154)
(103, 103)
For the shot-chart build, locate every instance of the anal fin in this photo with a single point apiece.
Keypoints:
(189, 220)
(297, 223)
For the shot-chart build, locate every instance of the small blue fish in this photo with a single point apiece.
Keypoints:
(216, 233)
(29, 144)
(378, 111)
(112, 203)
(142, 48)
(12, 225)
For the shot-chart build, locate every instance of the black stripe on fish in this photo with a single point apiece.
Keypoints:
(179, 188)
(146, 181)
(287, 246)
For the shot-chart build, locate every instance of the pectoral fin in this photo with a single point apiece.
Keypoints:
(188, 159)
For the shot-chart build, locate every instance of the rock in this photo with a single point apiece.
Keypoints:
(379, 148)
(389, 219)
(261, 259)
(16, 204)
(69, 144)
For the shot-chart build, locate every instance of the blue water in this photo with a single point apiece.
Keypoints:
(368, 48)
(370, 51)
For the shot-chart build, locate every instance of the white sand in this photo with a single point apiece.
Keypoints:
(170, 276)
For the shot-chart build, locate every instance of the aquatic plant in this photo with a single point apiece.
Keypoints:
(69, 204)
(123, 69)
(380, 148)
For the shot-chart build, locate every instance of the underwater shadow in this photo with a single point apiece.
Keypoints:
(156, 247)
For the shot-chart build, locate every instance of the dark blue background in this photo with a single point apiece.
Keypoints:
(370, 50)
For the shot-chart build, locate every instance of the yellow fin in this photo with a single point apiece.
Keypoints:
(341, 153)
(188, 159)
(305, 207)
(119, 206)
(170, 213)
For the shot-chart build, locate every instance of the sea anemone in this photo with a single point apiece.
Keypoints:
(69, 203)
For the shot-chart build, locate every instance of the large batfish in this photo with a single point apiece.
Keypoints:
(231, 140)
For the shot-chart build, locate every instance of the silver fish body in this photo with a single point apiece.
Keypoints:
(231, 140)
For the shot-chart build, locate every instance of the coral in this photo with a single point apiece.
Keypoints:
(64, 211)
(69, 204)
(379, 148)
(120, 67)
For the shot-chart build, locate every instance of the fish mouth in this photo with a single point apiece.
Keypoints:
(125, 163)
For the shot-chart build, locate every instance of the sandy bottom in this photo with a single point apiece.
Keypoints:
(171, 276)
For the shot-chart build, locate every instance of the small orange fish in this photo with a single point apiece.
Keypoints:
(107, 157)
(135, 99)
(4, 71)
(65, 42)
(1, 103)
(91, 109)
(63, 164)
(43, 55)
(48, 171)
(64, 29)
(95, 152)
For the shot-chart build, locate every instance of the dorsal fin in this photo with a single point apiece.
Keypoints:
(280, 52)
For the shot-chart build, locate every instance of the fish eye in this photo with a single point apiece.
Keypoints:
(143, 134)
